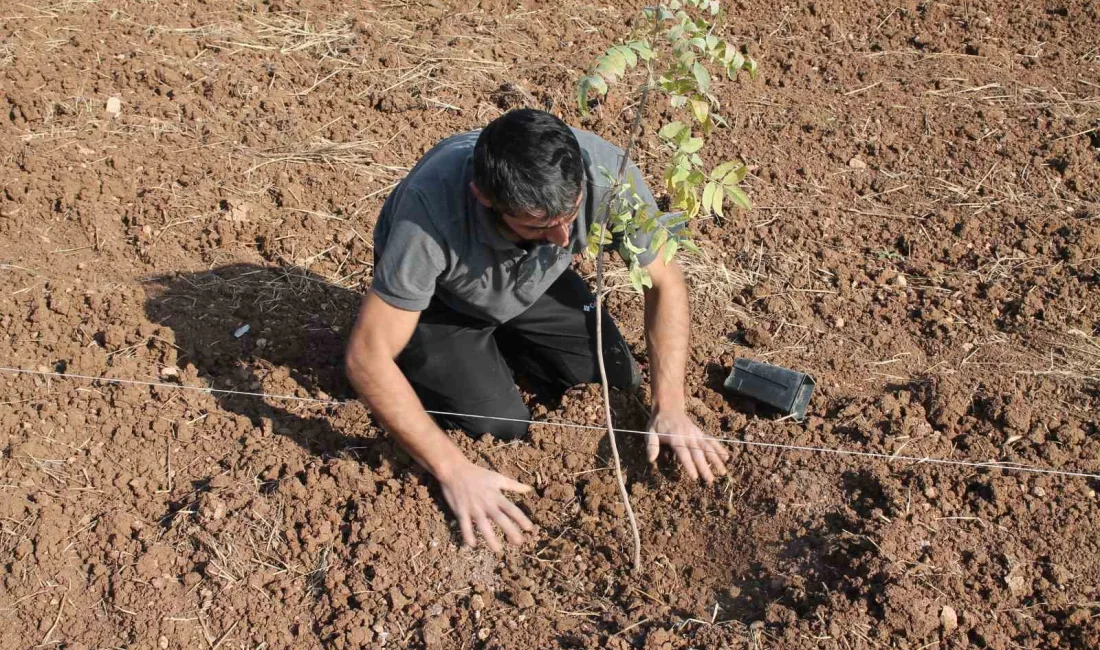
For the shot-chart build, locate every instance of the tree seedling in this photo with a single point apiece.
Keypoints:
(676, 52)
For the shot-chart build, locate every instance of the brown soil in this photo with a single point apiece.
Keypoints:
(926, 243)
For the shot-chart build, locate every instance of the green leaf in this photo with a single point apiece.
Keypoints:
(702, 77)
(699, 42)
(592, 249)
(751, 67)
(723, 169)
(697, 161)
(679, 176)
(671, 130)
(632, 248)
(670, 250)
(659, 239)
(628, 54)
(680, 218)
(677, 101)
(596, 82)
(717, 199)
(583, 86)
(736, 176)
(643, 50)
(739, 197)
(690, 246)
(700, 109)
(708, 194)
(611, 65)
(691, 145)
(639, 277)
(712, 42)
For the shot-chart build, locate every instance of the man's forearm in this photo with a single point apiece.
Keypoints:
(384, 388)
(668, 329)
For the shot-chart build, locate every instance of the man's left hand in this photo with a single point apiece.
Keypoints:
(700, 456)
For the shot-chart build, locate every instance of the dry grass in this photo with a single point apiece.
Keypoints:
(282, 32)
(7, 55)
(322, 151)
(712, 284)
(1075, 355)
(288, 33)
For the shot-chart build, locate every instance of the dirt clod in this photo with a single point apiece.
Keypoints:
(925, 243)
(949, 620)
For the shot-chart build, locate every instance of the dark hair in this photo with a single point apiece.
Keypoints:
(528, 161)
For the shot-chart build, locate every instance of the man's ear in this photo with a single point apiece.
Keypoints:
(479, 195)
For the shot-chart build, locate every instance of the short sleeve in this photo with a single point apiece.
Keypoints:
(412, 259)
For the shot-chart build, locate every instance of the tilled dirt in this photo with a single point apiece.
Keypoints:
(925, 242)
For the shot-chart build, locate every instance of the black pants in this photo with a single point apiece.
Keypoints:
(460, 364)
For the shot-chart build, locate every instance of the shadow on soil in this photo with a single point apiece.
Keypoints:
(296, 321)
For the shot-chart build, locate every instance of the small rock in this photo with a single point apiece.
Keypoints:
(114, 106)
(524, 600)
(477, 603)
(398, 599)
(758, 337)
(931, 492)
(560, 492)
(857, 163)
(169, 372)
(1038, 491)
(483, 634)
(162, 642)
(838, 323)
(1016, 584)
(949, 620)
(901, 282)
(241, 331)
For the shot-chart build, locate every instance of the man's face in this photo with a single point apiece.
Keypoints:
(530, 228)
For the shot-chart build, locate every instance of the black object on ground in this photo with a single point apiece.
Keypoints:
(778, 387)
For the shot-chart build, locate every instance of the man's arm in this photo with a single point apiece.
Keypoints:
(474, 494)
(668, 331)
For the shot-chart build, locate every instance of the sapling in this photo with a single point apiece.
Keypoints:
(674, 52)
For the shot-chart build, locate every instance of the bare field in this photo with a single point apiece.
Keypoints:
(925, 242)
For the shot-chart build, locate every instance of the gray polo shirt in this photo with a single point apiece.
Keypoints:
(434, 238)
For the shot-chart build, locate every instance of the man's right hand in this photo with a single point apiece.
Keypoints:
(475, 495)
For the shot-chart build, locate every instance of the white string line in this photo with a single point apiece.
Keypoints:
(747, 443)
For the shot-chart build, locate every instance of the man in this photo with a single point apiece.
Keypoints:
(472, 266)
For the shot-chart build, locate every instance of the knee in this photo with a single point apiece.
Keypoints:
(505, 430)
(624, 373)
(503, 422)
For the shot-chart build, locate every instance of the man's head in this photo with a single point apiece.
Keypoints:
(528, 169)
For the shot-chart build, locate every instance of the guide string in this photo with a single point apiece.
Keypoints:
(918, 460)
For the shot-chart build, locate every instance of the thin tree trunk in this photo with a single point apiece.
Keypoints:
(599, 345)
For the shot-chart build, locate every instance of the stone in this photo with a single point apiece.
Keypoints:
(949, 619)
